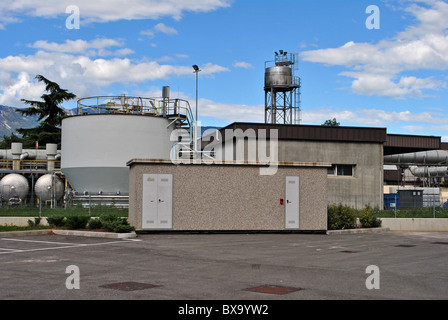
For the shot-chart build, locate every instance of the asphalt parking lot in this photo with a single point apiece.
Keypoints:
(226, 267)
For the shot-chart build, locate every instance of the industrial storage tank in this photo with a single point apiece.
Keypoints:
(14, 186)
(48, 187)
(99, 141)
(278, 76)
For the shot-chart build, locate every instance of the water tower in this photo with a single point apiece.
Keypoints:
(282, 89)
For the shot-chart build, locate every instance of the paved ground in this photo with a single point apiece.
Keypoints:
(224, 266)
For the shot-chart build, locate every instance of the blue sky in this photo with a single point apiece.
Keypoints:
(393, 77)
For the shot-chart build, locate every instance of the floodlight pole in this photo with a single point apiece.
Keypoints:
(196, 70)
(195, 127)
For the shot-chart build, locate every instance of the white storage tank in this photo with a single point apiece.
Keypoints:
(13, 186)
(48, 187)
(96, 148)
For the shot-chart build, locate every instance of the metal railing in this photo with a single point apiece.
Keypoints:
(135, 105)
(28, 165)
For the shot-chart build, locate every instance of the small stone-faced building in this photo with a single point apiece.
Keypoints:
(228, 196)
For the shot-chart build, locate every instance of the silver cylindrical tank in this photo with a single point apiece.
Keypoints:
(14, 185)
(278, 76)
(49, 187)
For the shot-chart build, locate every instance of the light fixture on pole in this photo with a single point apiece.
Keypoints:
(196, 70)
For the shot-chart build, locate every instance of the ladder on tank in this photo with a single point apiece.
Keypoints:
(184, 127)
(188, 145)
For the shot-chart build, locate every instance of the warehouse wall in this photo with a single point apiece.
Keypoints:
(366, 185)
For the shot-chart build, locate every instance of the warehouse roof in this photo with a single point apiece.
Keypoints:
(393, 143)
(315, 133)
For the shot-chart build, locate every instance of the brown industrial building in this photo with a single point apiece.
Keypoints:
(333, 164)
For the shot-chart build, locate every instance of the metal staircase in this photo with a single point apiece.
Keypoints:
(179, 113)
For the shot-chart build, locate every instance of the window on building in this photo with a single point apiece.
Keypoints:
(342, 170)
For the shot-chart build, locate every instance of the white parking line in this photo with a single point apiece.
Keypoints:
(63, 245)
(37, 241)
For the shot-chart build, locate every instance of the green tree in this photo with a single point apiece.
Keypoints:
(49, 112)
(331, 123)
(6, 142)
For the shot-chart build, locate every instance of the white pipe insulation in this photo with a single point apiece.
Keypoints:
(419, 158)
(429, 172)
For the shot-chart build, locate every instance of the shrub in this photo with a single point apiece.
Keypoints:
(95, 224)
(77, 222)
(123, 228)
(341, 217)
(368, 218)
(115, 224)
(34, 223)
(56, 221)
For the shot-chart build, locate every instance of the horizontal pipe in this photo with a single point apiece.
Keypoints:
(424, 157)
(426, 172)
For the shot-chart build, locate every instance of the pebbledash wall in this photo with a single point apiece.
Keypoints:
(231, 196)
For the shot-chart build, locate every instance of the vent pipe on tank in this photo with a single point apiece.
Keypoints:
(51, 150)
(16, 151)
(166, 99)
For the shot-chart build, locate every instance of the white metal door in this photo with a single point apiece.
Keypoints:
(165, 203)
(157, 207)
(292, 206)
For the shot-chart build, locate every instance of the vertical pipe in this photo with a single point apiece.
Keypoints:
(197, 71)
(265, 106)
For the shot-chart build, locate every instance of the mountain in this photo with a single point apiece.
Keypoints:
(10, 120)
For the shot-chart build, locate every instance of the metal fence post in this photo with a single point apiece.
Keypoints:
(433, 207)
(395, 207)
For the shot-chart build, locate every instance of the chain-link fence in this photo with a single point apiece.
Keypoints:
(27, 204)
(404, 203)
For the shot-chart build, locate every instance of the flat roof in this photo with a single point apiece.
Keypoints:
(315, 133)
(401, 143)
(393, 143)
(228, 163)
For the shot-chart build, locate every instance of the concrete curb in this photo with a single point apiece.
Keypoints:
(25, 233)
(356, 231)
(77, 233)
(94, 234)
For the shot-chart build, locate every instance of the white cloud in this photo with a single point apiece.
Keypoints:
(149, 33)
(242, 64)
(231, 112)
(23, 87)
(165, 29)
(407, 120)
(379, 69)
(160, 27)
(96, 47)
(80, 74)
(106, 11)
(211, 69)
(226, 112)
